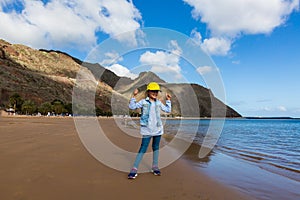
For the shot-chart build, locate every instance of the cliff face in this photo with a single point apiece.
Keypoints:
(35, 75)
(43, 76)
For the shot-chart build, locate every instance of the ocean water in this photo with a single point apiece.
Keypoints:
(271, 144)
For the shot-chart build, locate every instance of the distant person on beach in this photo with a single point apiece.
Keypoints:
(151, 124)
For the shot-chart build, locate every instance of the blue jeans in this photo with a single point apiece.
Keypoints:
(143, 149)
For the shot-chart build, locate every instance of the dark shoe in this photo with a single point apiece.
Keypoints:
(132, 174)
(155, 171)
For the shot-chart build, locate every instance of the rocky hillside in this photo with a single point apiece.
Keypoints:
(139, 82)
(46, 75)
(43, 76)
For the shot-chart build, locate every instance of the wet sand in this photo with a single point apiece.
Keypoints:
(44, 158)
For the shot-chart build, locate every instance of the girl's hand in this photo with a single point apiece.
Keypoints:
(168, 96)
(135, 92)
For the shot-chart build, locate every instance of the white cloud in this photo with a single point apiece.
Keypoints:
(233, 17)
(60, 23)
(111, 58)
(119, 15)
(267, 109)
(196, 36)
(161, 61)
(282, 108)
(164, 62)
(216, 46)
(204, 70)
(273, 109)
(121, 71)
(228, 19)
(175, 48)
(110, 63)
(212, 46)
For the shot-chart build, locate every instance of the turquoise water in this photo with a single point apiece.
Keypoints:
(271, 144)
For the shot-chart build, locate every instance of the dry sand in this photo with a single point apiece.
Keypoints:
(43, 158)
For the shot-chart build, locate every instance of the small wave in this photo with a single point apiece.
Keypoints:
(246, 156)
(284, 167)
(252, 157)
(250, 154)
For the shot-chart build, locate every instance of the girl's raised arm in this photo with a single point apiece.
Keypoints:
(132, 103)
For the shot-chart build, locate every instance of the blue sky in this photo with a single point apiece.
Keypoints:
(254, 44)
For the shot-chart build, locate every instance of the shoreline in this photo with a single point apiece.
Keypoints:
(43, 158)
(244, 176)
(6, 114)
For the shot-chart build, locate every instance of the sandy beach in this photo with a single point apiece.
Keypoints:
(43, 158)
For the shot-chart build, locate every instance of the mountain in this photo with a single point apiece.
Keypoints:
(35, 75)
(43, 76)
(48, 75)
(142, 80)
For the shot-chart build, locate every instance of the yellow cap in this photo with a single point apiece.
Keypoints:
(153, 86)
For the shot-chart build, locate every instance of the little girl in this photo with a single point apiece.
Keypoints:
(151, 125)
